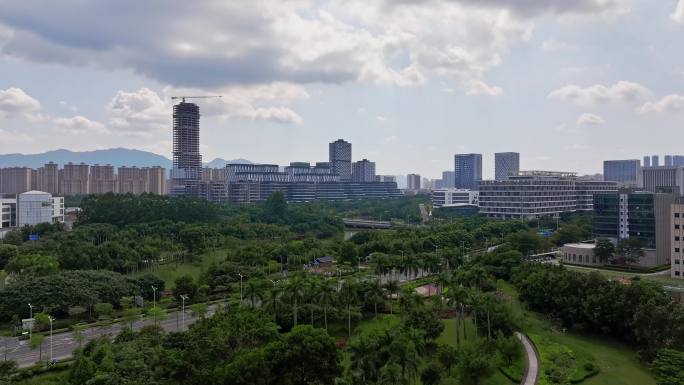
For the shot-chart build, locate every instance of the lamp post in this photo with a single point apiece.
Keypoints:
(241, 276)
(183, 298)
(154, 296)
(51, 356)
(31, 321)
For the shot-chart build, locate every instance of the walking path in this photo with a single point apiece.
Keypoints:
(532, 370)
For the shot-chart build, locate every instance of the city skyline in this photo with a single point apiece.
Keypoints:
(587, 102)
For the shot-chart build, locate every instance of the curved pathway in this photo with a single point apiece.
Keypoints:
(532, 370)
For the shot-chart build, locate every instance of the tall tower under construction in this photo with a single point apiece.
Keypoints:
(187, 160)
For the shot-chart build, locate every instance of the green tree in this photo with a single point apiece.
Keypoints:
(33, 265)
(509, 348)
(349, 296)
(157, 314)
(604, 250)
(275, 208)
(7, 369)
(390, 374)
(631, 249)
(37, 342)
(185, 285)
(475, 364)
(199, 310)
(431, 374)
(306, 355)
(104, 310)
(392, 287)
(7, 252)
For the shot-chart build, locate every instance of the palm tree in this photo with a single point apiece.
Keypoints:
(348, 295)
(295, 288)
(392, 288)
(253, 291)
(273, 299)
(363, 353)
(390, 374)
(375, 295)
(326, 297)
(312, 287)
(404, 353)
(475, 304)
(488, 303)
(457, 296)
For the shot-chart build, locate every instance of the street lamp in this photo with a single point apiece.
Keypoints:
(154, 296)
(31, 320)
(51, 357)
(183, 298)
(241, 276)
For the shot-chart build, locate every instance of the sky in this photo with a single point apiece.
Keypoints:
(410, 83)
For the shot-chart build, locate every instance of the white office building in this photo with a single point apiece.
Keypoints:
(448, 197)
(34, 207)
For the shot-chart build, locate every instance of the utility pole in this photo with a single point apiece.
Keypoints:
(31, 321)
(154, 296)
(51, 356)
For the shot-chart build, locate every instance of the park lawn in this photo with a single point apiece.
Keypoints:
(170, 271)
(617, 362)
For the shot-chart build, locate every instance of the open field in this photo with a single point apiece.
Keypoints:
(170, 271)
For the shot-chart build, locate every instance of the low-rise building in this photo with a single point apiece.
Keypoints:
(454, 196)
(536, 194)
(579, 254)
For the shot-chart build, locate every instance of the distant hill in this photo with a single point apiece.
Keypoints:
(114, 156)
(221, 163)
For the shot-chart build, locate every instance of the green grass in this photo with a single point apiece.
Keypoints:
(52, 378)
(617, 362)
(170, 271)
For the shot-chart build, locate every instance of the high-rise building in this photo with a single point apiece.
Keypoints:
(340, 154)
(448, 179)
(73, 179)
(661, 179)
(628, 214)
(678, 160)
(132, 180)
(655, 161)
(647, 161)
(467, 171)
(413, 182)
(669, 161)
(213, 174)
(623, 171)
(102, 179)
(15, 180)
(506, 164)
(386, 178)
(48, 178)
(187, 160)
(156, 180)
(363, 171)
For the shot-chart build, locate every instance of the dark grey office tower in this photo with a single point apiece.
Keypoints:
(655, 161)
(624, 171)
(187, 160)
(647, 161)
(340, 153)
(506, 164)
(467, 170)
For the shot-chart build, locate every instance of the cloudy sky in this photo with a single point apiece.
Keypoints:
(408, 82)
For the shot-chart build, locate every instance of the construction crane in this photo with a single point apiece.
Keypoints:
(195, 97)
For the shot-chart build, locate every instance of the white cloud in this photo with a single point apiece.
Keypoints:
(139, 111)
(552, 45)
(244, 43)
(622, 91)
(80, 125)
(588, 119)
(669, 103)
(678, 14)
(14, 102)
(381, 118)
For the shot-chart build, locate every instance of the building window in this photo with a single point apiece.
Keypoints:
(676, 215)
(676, 249)
(676, 261)
(677, 273)
(676, 238)
(676, 226)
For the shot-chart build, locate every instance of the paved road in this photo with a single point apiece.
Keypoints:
(532, 372)
(64, 344)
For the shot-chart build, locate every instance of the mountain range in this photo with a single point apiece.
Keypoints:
(114, 156)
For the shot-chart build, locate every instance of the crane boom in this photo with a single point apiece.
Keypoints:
(195, 97)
